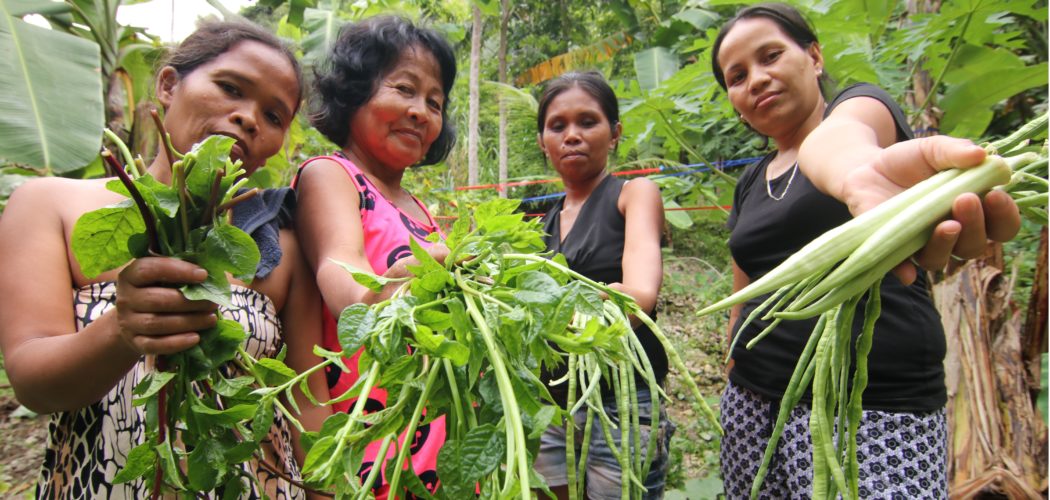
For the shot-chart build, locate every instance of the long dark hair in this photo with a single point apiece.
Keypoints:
(788, 18)
(364, 53)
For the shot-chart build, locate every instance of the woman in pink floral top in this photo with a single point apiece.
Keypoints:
(382, 97)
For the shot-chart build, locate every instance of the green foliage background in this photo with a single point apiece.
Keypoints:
(985, 62)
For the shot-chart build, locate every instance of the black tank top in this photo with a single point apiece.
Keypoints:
(594, 248)
(906, 363)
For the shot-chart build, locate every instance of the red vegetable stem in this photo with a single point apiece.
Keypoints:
(147, 215)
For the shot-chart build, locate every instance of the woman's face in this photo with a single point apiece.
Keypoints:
(577, 137)
(396, 127)
(249, 93)
(771, 80)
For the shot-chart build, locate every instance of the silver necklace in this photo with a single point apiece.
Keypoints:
(769, 189)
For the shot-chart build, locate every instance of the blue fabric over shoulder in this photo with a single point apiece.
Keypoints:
(262, 217)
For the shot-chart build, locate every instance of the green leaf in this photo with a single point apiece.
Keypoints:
(205, 464)
(654, 65)
(229, 249)
(262, 422)
(215, 288)
(318, 453)
(51, 111)
(356, 323)
(537, 288)
(169, 464)
(140, 463)
(100, 238)
(273, 372)
(677, 218)
(967, 106)
(226, 417)
(370, 280)
(441, 346)
(151, 384)
(233, 387)
(221, 342)
(322, 28)
(205, 159)
(537, 423)
(481, 451)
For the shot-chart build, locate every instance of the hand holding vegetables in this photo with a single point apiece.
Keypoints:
(973, 220)
(154, 317)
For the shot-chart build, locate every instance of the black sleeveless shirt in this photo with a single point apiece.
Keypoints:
(906, 363)
(594, 248)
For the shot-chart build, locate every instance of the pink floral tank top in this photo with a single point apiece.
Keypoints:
(386, 235)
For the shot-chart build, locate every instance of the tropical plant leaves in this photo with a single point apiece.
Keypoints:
(51, 113)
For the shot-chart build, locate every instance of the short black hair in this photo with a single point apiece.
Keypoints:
(591, 82)
(788, 18)
(214, 38)
(365, 52)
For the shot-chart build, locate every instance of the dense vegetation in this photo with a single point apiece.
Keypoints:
(933, 56)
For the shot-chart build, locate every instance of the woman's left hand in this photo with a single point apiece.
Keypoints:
(974, 220)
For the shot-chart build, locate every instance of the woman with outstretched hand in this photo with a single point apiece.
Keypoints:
(834, 159)
(382, 97)
(75, 346)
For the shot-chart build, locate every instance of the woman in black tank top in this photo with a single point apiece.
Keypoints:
(609, 231)
(831, 161)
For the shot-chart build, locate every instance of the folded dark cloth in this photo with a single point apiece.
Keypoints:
(262, 217)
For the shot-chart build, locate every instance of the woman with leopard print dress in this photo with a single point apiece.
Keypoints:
(80, 359)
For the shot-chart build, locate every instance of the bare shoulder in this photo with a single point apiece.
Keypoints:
(640, 192)
(56, 197)
(321, 170)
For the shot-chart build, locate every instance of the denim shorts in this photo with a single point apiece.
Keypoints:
(602, 470)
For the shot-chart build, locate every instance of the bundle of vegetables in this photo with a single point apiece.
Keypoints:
(829, 276)
(470, 340)
(202, 422)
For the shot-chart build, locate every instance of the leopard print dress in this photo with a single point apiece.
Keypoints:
(87, 447)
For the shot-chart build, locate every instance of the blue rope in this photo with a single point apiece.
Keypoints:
(724, 165)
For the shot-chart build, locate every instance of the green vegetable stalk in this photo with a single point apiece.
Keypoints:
(470, 340)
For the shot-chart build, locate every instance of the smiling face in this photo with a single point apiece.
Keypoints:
(395, 128)
(577, 136)
(249, 92)
(771, 80)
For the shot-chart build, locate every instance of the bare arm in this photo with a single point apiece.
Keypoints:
(851, 156)
(301, 330)
(52, 366)
(328, 225)
(643, 211)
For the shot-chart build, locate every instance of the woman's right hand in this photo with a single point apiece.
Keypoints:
(152, 315)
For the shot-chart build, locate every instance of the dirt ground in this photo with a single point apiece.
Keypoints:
(22, 441)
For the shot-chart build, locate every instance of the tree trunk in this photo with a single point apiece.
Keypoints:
(927, 122)
(475, 84)
(997, 440)
(504, 18)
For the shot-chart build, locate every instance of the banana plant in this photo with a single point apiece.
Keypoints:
(66, 83)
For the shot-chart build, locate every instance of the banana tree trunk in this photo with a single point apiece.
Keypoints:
(997, 439)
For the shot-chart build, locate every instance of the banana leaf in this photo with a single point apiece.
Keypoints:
(51, 114)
